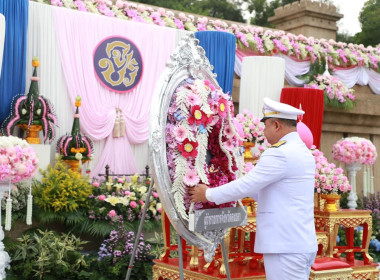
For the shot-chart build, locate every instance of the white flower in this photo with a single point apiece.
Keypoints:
(38, 111)
(78, 156)
(23, 111)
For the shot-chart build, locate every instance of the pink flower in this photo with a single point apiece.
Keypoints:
(223, 107)
(193, 99)
(228, 131)
(95, 184)
(112, 213)
(229, 145)
(127, 192)
(191, 178)
(155, 194)
(133, 204)
(180, 133)
(102, 197)
(141, 202)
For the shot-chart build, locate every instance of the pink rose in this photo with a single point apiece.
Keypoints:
(127, 193)
(95, 184)
(102, 197)
(155, 194)
(133, 204)
(112, 213)
(159, 210)
(141, 202)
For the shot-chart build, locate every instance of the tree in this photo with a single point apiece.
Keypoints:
(264, 9)
(370, 22)
(223, 9)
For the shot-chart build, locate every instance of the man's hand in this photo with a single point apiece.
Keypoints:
(198, 193)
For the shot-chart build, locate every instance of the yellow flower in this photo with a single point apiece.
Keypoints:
(143, 189)
(113, 200)
(132, 196)
(134, 178)
(124, 200)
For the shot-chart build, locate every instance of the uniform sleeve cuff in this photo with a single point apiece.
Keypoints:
(208, 195)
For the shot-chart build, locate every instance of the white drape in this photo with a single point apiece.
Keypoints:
(358, 75)
(261, 76)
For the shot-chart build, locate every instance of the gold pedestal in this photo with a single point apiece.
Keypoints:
(74, 164)
(247, 151)
(32, 137)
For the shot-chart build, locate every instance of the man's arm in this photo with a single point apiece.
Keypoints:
(271, 168)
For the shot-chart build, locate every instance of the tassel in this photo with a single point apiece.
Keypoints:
(29, 207)
(8, 213)
(116, 127)
(122, 124)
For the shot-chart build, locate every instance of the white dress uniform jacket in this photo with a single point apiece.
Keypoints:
(282, 182)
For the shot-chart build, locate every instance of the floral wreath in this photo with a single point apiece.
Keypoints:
(354, 149)
(202, 143)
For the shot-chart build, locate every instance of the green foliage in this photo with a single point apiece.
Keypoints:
(46, 255)
(61, 189)
(370, 23)
(316, 68)
(222, 9)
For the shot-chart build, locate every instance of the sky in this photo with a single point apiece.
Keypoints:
(350, 9)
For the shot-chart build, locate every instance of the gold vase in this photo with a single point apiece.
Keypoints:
(73, 164)
(32, 137)
(331, 200)
(251, 205)
(247, 151)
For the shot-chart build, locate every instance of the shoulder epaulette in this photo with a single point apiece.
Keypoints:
(278, 144)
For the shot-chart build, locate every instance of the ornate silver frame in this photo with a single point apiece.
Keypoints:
(187, 61)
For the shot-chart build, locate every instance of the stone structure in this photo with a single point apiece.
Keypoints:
(308, 18)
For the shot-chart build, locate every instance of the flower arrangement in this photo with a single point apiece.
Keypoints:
(253, 129)
(18, 161)
(115, 252)
(61, 190)
(32, 109)
(329, 178)
(123, 199)
(19, 195)
(200, 128)
(253, 38)
(355, 149)
(75, 146)
(336, 93)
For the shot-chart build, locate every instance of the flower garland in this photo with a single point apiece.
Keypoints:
(18, 161)
(354, 149)
(329, 178)
(256, 39)
(336, 93)
(200, 128)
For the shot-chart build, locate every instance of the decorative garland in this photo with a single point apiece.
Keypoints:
(199, 130)
(256, 39)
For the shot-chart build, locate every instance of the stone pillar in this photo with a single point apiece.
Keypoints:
(307, 18)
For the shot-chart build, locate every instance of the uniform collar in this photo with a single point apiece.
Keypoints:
(290, 136)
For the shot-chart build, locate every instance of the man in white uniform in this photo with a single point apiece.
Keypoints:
(282, 183)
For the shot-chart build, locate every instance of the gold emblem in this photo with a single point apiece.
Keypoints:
(278, 144)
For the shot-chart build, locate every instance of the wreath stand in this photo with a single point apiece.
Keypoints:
(180, 241)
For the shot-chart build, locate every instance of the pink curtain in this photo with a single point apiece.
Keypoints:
(78, 34)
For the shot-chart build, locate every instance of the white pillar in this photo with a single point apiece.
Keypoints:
(353, 197)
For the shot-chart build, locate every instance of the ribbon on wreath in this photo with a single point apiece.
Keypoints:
(29, 206)
(8, 211)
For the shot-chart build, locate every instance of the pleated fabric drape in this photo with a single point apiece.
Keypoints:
(220, 51)
(312, 101)
(12, 80)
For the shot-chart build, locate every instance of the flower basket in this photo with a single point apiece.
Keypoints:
(331, 201)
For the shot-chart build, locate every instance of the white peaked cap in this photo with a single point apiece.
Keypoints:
(274, 109)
